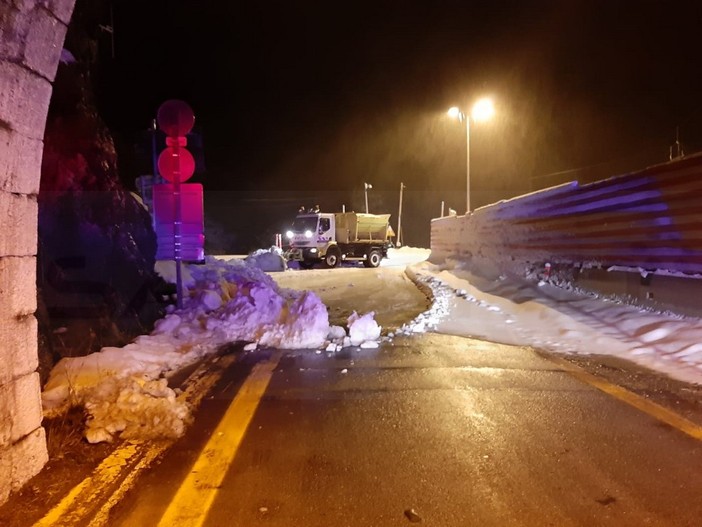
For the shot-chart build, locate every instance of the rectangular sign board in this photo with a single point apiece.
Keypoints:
(192, 226)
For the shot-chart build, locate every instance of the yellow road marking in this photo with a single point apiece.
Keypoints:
(102, 517)
(653, 409)
(69, 510)
(197, 492)
(79, 503)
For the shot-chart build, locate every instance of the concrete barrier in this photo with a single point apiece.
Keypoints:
(638, 235)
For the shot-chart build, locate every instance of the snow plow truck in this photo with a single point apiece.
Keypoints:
(331, 238)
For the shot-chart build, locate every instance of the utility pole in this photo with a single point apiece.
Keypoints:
(110, 30)
(676, 150)
(399, 218)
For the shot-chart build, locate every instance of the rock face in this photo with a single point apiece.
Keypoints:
(96, 282)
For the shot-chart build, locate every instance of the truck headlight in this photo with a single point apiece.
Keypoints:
(289, 235)
(308, 234)
(313, 250)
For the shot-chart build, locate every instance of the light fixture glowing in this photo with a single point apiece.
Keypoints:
(483, 110)
(308, 234)
(454, 112)
(289, 235)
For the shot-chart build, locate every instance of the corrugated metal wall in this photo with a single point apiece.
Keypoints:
(650, 219)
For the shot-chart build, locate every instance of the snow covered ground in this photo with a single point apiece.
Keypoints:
(125, 390)
(387, 291)
(561, 320)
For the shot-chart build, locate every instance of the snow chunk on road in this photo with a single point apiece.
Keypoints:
(137, 409)
(336, 333)
(363, 328)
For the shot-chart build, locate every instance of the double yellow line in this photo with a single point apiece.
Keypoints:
(118, 472)
(197, 492)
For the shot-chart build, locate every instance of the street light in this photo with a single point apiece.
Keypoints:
(482, 110)
(366, 186)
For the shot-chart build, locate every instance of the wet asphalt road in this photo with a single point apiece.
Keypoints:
(439, 431)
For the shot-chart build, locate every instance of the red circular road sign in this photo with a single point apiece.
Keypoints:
(176, 164)
(175, 118)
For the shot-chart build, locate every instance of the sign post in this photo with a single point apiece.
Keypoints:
(176, 164)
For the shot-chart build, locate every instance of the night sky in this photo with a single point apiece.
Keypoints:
(312, 99)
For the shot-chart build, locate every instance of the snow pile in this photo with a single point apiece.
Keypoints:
(167, 270)
(123, 389)
(137, 408)
(559, 319)
(403, 256)
(363, 329)
(234, 300)
(270, 260)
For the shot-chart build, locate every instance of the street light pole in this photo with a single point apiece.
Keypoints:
(399, 218)
(482, 110)
(467, 119)
(366, 186)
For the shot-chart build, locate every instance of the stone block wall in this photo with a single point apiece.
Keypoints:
(31, 38)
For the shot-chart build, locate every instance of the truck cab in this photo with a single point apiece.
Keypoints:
(310, 237)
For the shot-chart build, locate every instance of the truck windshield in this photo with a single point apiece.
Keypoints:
(305, 223)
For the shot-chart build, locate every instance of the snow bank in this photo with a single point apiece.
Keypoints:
(403, 256)
(123, 389)
(477, 302)
(270, 260)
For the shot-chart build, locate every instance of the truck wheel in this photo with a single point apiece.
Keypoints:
(331, 260)
(373, 259)
(306, 265)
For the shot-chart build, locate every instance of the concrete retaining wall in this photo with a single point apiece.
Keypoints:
(638, 235)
